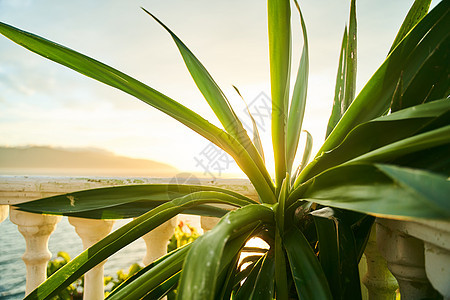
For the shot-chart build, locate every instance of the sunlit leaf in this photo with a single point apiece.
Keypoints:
(351, 53)
(417, 11)
(279, 13)
(216, 100)
(112, 77)
(337, 254)
(379, 132)
(306, 156)
(282, 290)
(414, 50)
(336, 112)
(246, 290)
(381, 190)
(310, 281)
(124, 201)
(298, 103)
(256, 136)
(167, 269)
(199, 278)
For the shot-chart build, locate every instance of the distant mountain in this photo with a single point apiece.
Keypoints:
(84, 161)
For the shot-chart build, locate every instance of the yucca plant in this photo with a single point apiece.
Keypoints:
(387, 153)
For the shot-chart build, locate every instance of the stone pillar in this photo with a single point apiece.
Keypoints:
(405, 258)
(91, 231)
(36, 229)
(4, 211)
(380, 283)
(156, 240)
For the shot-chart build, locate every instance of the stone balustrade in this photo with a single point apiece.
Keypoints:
(418, 255)
(416, 252)
(36, 229)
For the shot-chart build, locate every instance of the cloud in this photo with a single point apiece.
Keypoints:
(20, 77)
(15, 3)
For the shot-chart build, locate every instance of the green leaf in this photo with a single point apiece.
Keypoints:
(256, 136)
(250, 259)
(261, 251)
(216, 100)
(280, 207)
(431, 81)
(124, 201)
(361, 231)
(153, 278)
(406, 59)
(338, 254)
(329, 253)
(247, 288)
(417, 11)
(307, 151)
(112, 77)
(298, 103)
(346, 76)
(163, 289)
(264, 284)
(228, 282)
(431, 139)
(310, 281)
(105, 74)
(425, 184)
(435, 160)
(336, 112)
(350, 68)
(146, 269)
(200, 272)
(397, 97)
(305, 158)
(119, 239)
(380, 190)
(229, 261)
(135, 209)
(244, 273)
(279, 21)
(282, 290)
(380, 132)
(207, 86)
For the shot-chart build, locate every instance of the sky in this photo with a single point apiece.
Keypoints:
(42, 103)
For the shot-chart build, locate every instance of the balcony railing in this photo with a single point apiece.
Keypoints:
(416, 252)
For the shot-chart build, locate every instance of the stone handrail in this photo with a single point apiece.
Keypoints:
(36, 229)
(416, 252)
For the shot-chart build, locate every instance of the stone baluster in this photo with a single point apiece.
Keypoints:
(156, 240)
(91, 231)
(36, 229)
(208, 223)
(437, 266)
(4, 211)
(380, 283)
(405, 258)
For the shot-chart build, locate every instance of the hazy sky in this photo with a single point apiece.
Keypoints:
(42, 103)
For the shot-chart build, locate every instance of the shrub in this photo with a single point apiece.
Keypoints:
(386, 154)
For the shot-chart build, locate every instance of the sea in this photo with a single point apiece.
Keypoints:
(64, 238)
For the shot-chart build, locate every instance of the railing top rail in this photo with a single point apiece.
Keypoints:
(19, 189)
